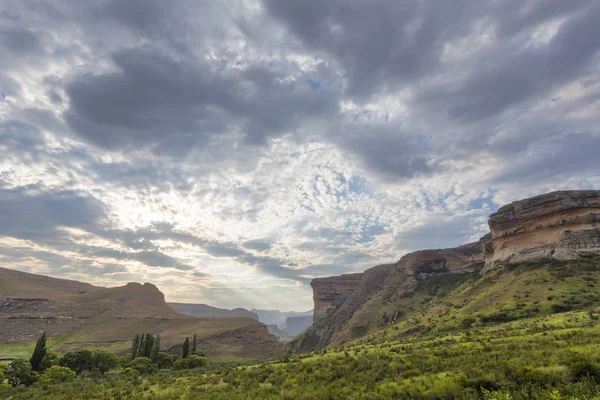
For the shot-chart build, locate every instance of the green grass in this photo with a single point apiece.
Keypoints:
(529, 358)
(501, 336)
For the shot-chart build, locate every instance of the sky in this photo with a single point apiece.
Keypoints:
(231, 151)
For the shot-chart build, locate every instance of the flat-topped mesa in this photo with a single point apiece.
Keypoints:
(559, 225)
(330, 292)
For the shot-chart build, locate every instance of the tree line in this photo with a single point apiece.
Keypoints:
(145, 358)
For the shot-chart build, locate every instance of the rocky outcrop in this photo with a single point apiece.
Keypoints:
(560, 225)
(329, 293)
(468, 257)
(346, 306)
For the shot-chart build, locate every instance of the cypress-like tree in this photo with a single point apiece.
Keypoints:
(155, 349)
(185, 351)
(38, 353)
(140, 352)
(194, 344)
(148, 345)
(135, 346)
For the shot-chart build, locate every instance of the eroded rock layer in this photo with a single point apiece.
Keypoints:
(559, 225)
(329, 293)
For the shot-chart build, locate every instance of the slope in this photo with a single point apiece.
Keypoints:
(76, 315)
(206, 311)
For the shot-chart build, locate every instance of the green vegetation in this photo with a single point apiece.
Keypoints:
(38, 353)
(500, 336)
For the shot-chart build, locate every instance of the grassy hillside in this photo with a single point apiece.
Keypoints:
(438, 303)
(206, 311)
(80, 316)
(509, 292)
(526, 331)
(542, 357)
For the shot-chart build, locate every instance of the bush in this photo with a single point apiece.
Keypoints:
(21, 373)
(78, 361)
(104, 361)
(164, 360)
(57, 374)
(190, 362)
(143, 365)
(584, 368)
(49, 360)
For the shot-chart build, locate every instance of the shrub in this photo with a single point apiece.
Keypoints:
(21, 373)
(584, 368)
(143, 365)
(192, 361)
(104, 361)
(467, 322)
(57, 374)
(78, 361)
(164, 360)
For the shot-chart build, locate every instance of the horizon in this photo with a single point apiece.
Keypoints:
(229, 153)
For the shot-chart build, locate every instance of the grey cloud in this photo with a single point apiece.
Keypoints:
(257, 244)
(29, 215)
(170, 106)
(506, 81)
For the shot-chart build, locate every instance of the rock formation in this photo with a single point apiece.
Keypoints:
(329, 293)
(79, 315)
(559, 225)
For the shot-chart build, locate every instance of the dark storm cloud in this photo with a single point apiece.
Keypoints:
(170, 105)
(507, 80)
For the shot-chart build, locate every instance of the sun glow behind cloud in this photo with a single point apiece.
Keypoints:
(230, 152)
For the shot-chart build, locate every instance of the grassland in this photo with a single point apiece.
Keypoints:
(527, 331)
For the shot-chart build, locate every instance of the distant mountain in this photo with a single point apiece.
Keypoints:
(206, 311)
(297, 324)
(276, 317)
(77, 315)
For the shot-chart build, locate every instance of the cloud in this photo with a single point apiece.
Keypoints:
(245, 147)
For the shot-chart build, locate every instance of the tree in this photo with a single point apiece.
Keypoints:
(186, 348)
(135, 346)
(104, 361)
(143, 365)
(38, 353)
(194, 344)
(57, 374)
(21, 373)
(49, 360)
(155, 349)
(78, 361)
(164, 360)
(190, 362)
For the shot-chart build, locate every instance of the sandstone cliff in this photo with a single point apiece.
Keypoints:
(329, 293)
(560, 225)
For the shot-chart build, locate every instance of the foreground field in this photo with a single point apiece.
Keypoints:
(548, 357)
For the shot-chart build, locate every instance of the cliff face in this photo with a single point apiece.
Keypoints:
(349, 306)
(329, 293)
(558, 225)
